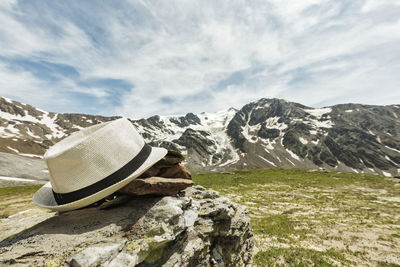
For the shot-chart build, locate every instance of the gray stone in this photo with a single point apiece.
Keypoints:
(124, 259)
(193, 228)
(93, 256)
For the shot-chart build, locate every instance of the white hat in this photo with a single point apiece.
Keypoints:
(94, 163)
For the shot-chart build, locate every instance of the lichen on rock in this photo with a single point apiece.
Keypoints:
(196, 227)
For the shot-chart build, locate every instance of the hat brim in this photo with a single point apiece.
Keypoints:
(44, 197)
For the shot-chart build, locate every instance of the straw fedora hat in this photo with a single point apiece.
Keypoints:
(94, 163)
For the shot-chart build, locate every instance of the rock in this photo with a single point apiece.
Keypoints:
(156, 186)
(262, 134)
(19, 221)
(165, 178)
(196, 227)
(94, 256)
(175, 171)
(168, 167)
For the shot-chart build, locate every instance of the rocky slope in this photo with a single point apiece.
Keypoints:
(262, 134)
(197, 227)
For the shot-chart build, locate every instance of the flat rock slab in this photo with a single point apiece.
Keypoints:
(21, 221)
(196, 227)
(156, 186)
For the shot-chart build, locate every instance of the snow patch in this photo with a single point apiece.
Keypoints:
(386, 174)
(5, 178)
(9, 131)
(272, 123)
(318, 112)
(270, 162)
(7, 99)
(293, 155)
(19, 213)
(393, 149)
(268, 145)
(315, 142)
(45, 119)
(213, 123)
(322, 124)
(13, 149)
(29, 132)
(291, 162)
(387, 158)
(249, 132)
(24, 154)
(30, 155)
(348, 111)
(303, 141)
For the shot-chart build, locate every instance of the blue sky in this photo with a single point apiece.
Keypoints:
(140, 58)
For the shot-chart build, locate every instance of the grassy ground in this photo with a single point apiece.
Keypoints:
(313, 218)
(300, 217)
(15, 199)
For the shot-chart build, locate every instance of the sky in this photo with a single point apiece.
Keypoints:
(142, 58)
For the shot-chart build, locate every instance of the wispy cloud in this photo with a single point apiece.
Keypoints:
(140, 58)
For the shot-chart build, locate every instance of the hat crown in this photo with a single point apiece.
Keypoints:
(88, 156)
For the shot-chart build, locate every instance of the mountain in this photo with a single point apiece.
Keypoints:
(263, 134)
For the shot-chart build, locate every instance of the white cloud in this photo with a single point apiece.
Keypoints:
(25, 87)
(372, 5)
(315, 52)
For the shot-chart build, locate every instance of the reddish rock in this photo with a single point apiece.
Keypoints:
(175, 171)
(156, 186)
(167, 177)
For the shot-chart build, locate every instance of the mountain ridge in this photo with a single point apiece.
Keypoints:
(265, 133)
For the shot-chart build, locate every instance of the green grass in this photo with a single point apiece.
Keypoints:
(280, 225)
(386, 264)
(298, 257)
(299, 217)
(295, 178)
(315, 218)
(7, 191)
(15, 199)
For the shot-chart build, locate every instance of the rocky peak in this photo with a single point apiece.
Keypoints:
(19, 109)
(264, 133)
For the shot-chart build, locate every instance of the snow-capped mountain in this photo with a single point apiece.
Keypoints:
(262, 134)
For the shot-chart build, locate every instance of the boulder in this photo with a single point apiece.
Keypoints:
(196, 227)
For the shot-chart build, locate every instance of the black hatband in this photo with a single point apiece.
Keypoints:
(119, 175)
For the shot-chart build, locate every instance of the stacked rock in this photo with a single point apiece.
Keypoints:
(167, 177)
